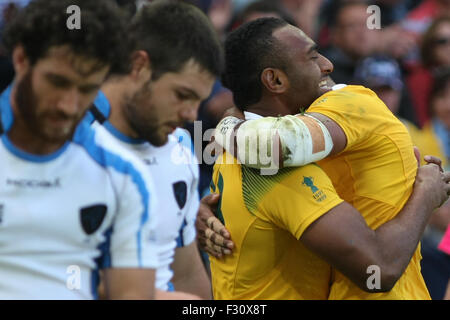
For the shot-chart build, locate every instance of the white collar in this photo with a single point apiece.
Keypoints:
(338, 86)
(251, 116)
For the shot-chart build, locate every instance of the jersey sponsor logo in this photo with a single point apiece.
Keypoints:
(92, 217)
(31, 183)
(180, 193)
(318, 194)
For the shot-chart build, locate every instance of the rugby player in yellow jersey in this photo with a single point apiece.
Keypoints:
(274, 69)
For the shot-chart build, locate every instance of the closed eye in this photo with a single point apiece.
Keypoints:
(58, 81)
(182, 96)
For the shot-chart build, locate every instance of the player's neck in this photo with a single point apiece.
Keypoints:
(269, 107)
(114, 92)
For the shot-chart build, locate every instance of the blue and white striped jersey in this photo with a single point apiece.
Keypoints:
(66, 215)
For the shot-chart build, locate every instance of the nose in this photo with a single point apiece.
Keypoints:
(325, 65)
(70, 102)
(189, 112)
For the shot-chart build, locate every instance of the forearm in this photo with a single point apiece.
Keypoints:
(397, 239)
(189, 272)
(268, 142)
(129, 284)
(193, 279)
(197, 284)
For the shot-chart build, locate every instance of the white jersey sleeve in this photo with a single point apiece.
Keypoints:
(130, 240)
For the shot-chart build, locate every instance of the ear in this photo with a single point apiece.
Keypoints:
(20, 60)
(274, 80)
(141, 66)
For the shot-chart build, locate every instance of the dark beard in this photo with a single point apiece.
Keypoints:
(27, 104)
(146, 128)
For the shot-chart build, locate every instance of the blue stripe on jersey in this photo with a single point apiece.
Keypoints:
(32, 157)
(171, 287)
(6, 109)
(85, 137)
(184, 138)
(102, 262)
(95, 281)
(102, 104)
(88, 118)
(180, 239)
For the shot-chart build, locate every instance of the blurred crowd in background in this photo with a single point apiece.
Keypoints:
(406, 62)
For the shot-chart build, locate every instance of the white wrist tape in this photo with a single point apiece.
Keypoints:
(304, 139)
(224, 131)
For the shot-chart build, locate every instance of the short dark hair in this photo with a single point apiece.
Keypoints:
(248, 51)
(42, 24)
(172, 33)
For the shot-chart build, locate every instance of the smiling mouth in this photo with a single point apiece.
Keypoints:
(323, 83)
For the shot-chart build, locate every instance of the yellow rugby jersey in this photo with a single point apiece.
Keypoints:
(266, 215)
(375, 173)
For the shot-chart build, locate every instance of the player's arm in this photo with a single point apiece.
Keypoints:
(189, 273)
(130, 258)
(343, 239)
(129, 284)
(293, 140)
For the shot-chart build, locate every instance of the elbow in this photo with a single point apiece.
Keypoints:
(389, 280)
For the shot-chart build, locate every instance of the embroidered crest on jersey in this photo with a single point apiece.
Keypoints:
(180, 192)
(318, 194)
(92, 217)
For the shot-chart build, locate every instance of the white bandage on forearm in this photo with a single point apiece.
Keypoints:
(304, 139)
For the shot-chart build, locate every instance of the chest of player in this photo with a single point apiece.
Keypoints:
(63, 201)
(174, 197)
(174, 186)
